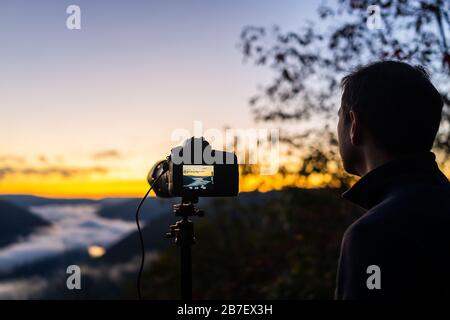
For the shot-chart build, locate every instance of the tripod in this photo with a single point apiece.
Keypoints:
(183, 233)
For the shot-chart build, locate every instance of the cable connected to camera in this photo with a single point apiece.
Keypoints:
(141, 238)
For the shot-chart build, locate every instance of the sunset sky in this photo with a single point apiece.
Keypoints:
(87, 112)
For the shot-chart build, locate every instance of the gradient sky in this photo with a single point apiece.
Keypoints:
(87, 112)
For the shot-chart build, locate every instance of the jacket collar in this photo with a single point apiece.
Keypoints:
(372, 188)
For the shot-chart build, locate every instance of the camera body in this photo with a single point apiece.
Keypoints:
(196, 170)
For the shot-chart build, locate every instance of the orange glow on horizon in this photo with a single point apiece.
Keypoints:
(96, 189)
(78, 187)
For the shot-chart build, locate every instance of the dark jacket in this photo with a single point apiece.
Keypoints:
(405, 232)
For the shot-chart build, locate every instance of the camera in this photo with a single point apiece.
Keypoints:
(195, 170)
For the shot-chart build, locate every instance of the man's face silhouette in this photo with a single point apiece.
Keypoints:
(347, 149)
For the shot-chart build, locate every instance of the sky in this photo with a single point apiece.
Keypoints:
(87, 112)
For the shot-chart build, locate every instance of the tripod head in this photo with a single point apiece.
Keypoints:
(185, 209)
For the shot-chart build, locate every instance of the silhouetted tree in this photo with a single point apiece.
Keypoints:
(309, 63)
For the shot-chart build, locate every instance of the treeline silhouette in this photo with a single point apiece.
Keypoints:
(285, 247)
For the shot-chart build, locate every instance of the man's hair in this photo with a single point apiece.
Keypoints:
(397, 103)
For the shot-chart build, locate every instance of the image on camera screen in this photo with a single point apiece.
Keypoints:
(198, 177)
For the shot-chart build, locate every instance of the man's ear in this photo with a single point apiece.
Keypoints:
(355, 128)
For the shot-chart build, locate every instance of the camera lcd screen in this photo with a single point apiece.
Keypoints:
(198, 177)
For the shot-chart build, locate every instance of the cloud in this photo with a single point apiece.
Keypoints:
(63, 171)
(118, 271)
(4, 171)
(73, 227)
(107, 154)
(19, 289)
(43, 159)
(7, 158)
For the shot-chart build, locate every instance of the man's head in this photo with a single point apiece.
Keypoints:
(388, 108)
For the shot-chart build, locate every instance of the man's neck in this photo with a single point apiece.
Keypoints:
(372, 159)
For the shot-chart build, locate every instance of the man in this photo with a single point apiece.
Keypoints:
(400, 248)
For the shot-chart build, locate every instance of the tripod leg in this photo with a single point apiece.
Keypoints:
(186, 272)
(185, 243)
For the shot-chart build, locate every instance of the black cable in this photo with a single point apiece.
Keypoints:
(141, 238)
